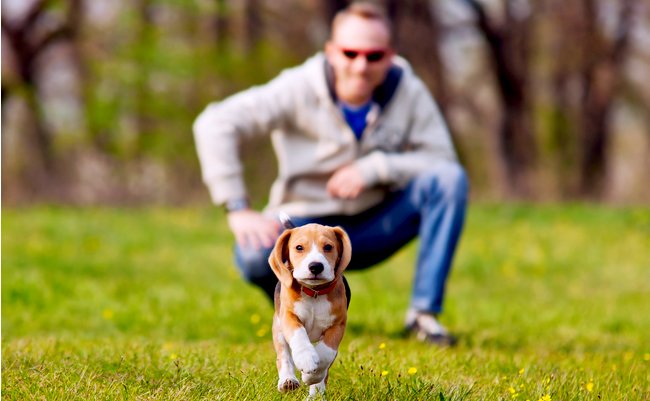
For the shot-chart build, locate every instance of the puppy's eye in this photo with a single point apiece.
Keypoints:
(327, 248)
(299, 248)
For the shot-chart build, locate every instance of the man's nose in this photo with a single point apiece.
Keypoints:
(360, 63)
(316, 267)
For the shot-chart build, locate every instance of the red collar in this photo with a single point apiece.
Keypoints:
(314, 293)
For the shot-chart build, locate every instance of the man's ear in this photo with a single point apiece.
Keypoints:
(330, 49)
(279, 259)
(345, 249)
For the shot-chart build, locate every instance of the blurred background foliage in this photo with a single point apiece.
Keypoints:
(546, 99)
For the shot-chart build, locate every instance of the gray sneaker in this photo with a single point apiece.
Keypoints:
(426, 328)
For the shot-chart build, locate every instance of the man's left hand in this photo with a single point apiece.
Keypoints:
(346, 183)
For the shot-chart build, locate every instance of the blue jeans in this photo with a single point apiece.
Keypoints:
(432, 206)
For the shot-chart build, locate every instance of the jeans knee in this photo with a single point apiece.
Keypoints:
(456, 182)
(253, 263)
(447, 180)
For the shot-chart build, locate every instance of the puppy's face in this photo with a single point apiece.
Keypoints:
(312, 254)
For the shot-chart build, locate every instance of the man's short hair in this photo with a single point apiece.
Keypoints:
(365, 10)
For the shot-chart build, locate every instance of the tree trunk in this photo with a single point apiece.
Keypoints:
(601, 75)
(417, 36)
(221, 25)
(565, 16)
(146, 42)
(26, 50)
(509, 55)
(252, 25)
(330, 8)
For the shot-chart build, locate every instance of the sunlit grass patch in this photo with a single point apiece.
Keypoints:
(548, 302)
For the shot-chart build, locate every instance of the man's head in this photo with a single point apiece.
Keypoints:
(359, 51)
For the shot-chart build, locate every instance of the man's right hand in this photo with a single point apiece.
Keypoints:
(253, 229)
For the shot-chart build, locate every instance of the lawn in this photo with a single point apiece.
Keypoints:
(549, 303)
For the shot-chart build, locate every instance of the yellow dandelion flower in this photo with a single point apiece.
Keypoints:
(521, 371)
(255, 318)
(512, 390)
(546, 397)
(646, 357)
(173, 357)
(262, 331)
(412, 370)
(384, 372)
(590, 386)
(107, 314)
(627, 356)
(382, 345)
(521, 386)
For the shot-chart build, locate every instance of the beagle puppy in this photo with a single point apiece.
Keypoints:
(311, 301)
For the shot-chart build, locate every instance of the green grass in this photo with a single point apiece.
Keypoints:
(143, 304)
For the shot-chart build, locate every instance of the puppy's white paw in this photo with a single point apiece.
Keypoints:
(288, 384)
(314, 378)
(306, 361)
(317, 391)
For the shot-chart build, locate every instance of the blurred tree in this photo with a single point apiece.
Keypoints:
(145, 39)
(509, 54)
(562, 118)
(143, 70)
(592, 61)
(418, 37)
(221, 25)
(331, 7)
(602, 63)
(29, 36)
(253, 25)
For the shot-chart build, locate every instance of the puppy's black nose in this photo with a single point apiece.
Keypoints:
(316, 267)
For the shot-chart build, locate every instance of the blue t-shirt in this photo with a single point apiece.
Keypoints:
(356, 117)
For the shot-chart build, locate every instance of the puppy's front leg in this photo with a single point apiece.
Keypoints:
(326, 356)
(287, 380)
(317, 389)
(327, 349)
(304, 355)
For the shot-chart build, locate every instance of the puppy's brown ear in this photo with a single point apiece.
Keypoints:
(345, 249)
(279, 259)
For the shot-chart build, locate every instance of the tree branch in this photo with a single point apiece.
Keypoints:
(34, 13)
(622, 38)
(492, 34)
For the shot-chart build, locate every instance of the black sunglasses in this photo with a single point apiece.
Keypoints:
(372, 56)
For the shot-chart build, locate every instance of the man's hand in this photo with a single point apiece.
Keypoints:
(253, 229)
(346, 183)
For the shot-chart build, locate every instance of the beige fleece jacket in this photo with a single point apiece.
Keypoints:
(312, 140)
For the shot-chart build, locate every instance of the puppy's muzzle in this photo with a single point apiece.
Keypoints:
(316, 268)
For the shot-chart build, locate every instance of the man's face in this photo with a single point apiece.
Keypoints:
(360, 54)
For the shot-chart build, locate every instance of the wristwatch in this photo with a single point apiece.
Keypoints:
(234, 205)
